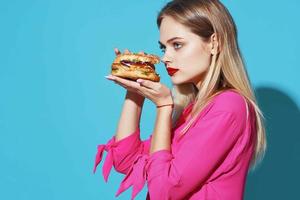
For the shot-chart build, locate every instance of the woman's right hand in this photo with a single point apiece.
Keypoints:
(131, 94)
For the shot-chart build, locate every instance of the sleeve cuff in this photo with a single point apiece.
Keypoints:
(133, 138)
(157, 163)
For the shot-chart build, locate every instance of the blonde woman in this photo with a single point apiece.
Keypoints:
(208, 131)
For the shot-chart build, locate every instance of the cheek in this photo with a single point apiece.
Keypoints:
(197, 60)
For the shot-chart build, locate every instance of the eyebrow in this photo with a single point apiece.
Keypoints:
(170, 40)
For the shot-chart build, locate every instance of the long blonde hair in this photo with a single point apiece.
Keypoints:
(227, 69)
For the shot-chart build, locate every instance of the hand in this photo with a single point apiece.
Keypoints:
(130, 91)
(157, 92)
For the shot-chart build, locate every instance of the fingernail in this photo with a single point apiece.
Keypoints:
(109, 77)
(139, 80)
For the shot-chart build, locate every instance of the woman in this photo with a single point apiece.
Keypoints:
(208, 131)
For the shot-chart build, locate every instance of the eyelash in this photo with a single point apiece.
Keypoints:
(175, 43)
(178, 44)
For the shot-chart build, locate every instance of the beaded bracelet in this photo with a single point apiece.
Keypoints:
(171, 104)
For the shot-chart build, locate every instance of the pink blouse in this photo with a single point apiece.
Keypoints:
(210, 162)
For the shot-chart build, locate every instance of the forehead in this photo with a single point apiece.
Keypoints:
(171, 28)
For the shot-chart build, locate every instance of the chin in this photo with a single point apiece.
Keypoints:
(178, 81)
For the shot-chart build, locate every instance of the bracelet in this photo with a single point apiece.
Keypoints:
(171, 104)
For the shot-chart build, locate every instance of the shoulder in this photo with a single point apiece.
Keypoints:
(230, 101)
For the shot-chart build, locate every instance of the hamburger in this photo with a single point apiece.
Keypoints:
(134, 66)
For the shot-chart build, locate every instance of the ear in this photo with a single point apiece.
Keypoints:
(214, 44)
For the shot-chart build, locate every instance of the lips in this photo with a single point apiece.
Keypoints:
(171, 70)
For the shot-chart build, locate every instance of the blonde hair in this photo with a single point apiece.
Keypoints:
(227, 69)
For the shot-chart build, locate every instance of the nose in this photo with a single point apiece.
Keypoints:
(166, 59)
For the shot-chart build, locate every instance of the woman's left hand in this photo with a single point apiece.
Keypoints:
(157, 92)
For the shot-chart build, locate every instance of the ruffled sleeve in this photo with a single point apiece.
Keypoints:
(173, 176)
(120, 154)
(141, 172)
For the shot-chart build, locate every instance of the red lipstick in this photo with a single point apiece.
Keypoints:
(171, 70)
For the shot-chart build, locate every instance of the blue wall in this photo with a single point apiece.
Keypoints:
(56, 105)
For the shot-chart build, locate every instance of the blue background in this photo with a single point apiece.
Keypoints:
(56, 106)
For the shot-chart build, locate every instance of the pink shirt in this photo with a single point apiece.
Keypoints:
(209, 163)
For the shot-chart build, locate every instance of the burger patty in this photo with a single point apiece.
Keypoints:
(134, 66)
(142, 64)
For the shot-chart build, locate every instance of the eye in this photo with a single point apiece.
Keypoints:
(177, 45)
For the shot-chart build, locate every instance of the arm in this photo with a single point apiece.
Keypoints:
(124, 147)
(206, 145)
(130, 116)
(202, 149)
(161, 139)
(126, 144)
(127, 138)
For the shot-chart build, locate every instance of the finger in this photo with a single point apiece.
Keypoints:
(143, 91)
(117, 52)
(131, 85)
(118, 83)
(147, 83)
(140, 93)
(110, 77)
(126, 51)
(126, 82)
(142, 53)
(121, 84)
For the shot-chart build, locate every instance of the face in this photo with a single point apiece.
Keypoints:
(185, 51)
